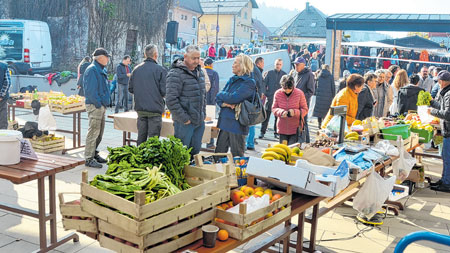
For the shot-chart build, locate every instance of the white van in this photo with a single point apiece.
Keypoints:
(26, 46)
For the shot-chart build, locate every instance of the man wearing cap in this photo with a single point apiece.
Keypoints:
(211, 94)
(304, 79)
(148, 84)
(96, 91)
(5, 83)
(441, 109)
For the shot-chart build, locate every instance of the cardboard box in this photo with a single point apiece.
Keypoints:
(304, 177)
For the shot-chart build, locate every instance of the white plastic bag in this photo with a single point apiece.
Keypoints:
(422, 110)
(46, 120)
(312, 104)
(404, 164)
(335, 125)
(386, 148)
(373, 194)
(253, 204)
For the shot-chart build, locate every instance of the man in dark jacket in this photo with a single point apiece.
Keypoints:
(271, 83)
(407, 95)
(186, 98)
(96, 91)
(441, 109)
(211, 95)
(222, 52)
(5, 84)
(304, 79)
(81, 69)
(123, 71)
(148, 84)
(326, 89)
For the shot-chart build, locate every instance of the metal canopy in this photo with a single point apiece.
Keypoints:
(390, 22)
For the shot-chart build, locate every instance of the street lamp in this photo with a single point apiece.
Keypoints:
(217, 25)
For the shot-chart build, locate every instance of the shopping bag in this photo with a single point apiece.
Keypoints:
(404, 164)
(312, 104)
(373, 194)
(422, 110)
(335, 125)
(46, 120)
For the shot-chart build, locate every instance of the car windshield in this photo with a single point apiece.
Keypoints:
(11, 44)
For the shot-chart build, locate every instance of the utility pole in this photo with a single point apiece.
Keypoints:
(217, 25)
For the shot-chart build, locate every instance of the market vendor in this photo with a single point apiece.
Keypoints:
(349, 97)
(441, 109)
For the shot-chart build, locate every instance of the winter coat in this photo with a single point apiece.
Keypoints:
(222, 52)
(257, 76)
(365, 103)
(304, 81)
(407, 98)
(435, 90)
(345, 97)
(380, 94)
(122, 71)
(326, 90)
(83, 68)
(96, 86)
(212, 52)
(214, 80)
(272, 82)
(442, 110)
(282, 103)
(389, 99)
(314, 64)
(148, 84)
(393, 108)
(237, 90)
(186, 93)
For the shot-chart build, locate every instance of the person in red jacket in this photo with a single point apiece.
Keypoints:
(290, 107)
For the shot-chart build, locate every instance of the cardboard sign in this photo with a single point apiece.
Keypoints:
(26, 150)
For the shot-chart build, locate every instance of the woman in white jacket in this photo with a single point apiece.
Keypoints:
(400, 80)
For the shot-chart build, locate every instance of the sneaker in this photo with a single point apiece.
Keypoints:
(276, 135)
(261, 136)
(93, 163)
(250, 148)
(437, 183)
(99, 159)
(441, 188)
(256, 143)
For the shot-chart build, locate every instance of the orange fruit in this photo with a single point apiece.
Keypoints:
(276, 197)
(222, 235)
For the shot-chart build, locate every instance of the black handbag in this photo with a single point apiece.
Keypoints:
(252, 113)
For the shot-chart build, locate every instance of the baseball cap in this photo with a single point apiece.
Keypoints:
(209, 61)
(299, 60)
(444, 75)
(101, 51)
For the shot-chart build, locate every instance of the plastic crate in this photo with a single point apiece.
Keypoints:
(425, 136)
(402, 130)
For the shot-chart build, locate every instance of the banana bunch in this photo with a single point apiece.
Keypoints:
(277, 152)
(353, 136)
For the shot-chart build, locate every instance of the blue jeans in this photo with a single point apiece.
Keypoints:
(251, 137)
(191, 135)
(446, 158)
(122, 97)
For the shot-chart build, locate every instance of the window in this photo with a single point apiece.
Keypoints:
(313, 24)
(203, 26)
(170, 16)
(213, 27)
(194, 22)
(245, 15)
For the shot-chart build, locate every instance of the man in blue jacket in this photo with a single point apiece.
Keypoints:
(5, 83)
(96, 91)
(211, 94)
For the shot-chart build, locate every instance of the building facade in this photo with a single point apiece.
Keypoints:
(186, 13)
(234, 18)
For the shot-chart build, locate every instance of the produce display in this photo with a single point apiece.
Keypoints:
(169, 153)
(63, 100)
(278, 152)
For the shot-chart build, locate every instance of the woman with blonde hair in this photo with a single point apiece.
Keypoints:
(400, 80)
(239, 88)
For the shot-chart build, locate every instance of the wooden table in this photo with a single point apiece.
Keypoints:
(28, 170)
(76, 127)
(127, 123)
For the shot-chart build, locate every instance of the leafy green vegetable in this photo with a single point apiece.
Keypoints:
(424, 98)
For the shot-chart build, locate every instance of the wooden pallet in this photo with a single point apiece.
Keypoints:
(244, 222)
(48, 146)
(209, 188)
(164, 240)
(74, 217)
(68, 108)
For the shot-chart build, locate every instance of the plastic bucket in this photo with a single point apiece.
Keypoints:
(10, 147)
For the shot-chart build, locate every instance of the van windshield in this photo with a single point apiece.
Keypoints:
(11, 44)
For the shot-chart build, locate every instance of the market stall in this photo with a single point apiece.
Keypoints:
(57, 102)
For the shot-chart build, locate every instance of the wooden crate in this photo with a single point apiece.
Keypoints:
(48, 146)
(74, 217)
(227, 167)
(68, 108)
(406, 142)
(209, 188)
(164, 240)
(244, 227)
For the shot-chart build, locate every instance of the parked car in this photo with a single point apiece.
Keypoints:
(26, 46)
